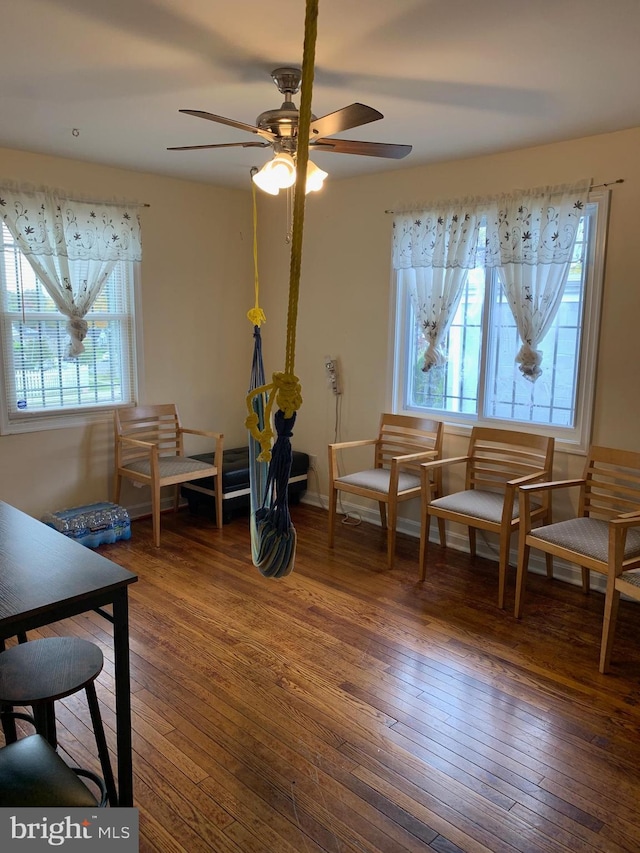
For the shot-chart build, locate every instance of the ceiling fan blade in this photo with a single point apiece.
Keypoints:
(220, 145)
(352, 116)
(230, 122)
(371, 149)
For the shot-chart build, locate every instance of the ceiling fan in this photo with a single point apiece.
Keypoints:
(279, 128)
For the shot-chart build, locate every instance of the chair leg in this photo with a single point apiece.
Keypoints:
(219, 509)
(176, 502)
(117, 487)
(505, 542)
(391, 534)
(383, 514)
(101, 744)
(586, 580)
(521, 573)
(609, 627)
(155, 510)
(424, 543)
(549, 562)
(472, 541)
(333, 506)
(442, 532)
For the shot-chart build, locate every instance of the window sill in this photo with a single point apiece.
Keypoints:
(40, 423)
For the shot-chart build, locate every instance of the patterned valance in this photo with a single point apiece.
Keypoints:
(46, 224)
(536, 226)
(444, 236)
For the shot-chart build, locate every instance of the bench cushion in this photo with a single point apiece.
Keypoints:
(235, 481)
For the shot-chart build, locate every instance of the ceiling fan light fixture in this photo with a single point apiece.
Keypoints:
(315, 177)
(278, 174)
(264, 180)
(283, 170)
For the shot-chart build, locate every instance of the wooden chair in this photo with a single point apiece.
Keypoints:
(497, 462)
(149, 449)
(619, 580)
(601, 538)
(403, 442)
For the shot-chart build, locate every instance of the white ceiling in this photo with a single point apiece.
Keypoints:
(453, 78)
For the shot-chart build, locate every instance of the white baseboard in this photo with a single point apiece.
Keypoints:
(143, 510)
(485, 546)
(562, 570)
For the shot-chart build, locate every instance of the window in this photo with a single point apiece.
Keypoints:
(480, 382)
(41, 389)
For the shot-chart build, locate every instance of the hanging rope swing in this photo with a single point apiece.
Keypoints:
(273, 537)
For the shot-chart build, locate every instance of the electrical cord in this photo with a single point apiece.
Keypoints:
(349, 519)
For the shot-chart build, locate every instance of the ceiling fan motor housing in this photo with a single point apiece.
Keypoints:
(284, 122)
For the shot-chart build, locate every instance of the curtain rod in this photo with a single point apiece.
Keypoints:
(30, 188)
(594, 187)
(110, 203)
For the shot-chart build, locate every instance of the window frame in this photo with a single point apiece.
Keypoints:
(572, 439)
(75, 416)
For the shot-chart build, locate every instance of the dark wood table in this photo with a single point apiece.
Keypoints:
(45, 577)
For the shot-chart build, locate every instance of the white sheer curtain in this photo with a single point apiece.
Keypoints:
(72, 247)
(433, 251)
(530, 241)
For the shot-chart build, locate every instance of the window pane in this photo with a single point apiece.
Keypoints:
(44, 380)
(38, 378)
(452, 387)
(552, 398)
(481, 382)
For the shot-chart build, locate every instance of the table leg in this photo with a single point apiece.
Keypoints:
(123, 697)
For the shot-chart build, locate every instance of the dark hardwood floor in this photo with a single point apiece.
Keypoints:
(349, 708)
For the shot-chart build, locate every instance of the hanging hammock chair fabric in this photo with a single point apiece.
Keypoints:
(273, 537)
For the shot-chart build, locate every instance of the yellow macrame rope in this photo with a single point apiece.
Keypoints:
(256, 314)
(308, 62)
(285, 387)
(256, 317)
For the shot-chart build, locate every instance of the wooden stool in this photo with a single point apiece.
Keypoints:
(33, 774)
(37, 673)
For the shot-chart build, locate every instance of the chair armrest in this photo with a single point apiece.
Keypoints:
(135, 442)
(414, 457)
(342, 445)
(345, 445)
(552, 485)
(548, 486)
(628, 519)
(201, 432)
(519, 482)
(618, 529)
(440, 463)
(425, 470)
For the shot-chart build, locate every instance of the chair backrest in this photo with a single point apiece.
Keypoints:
(612, 483)
(403, 434)
(499, 455)
(158, 424)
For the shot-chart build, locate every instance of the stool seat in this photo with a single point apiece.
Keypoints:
(33, 774)
(46, 670)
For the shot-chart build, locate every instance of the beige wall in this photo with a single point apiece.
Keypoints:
(197, 352)
(197, 284)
